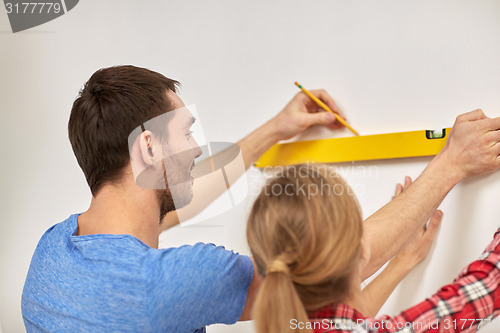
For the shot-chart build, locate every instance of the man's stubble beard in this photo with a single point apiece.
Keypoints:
(165, 202)
(183, 192)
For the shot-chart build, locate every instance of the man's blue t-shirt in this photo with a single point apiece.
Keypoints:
(116, 283)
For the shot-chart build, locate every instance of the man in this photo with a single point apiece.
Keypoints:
(102, 271)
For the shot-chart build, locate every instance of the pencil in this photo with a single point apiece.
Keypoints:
(326, 108)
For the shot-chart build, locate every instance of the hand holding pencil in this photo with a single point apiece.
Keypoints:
(326, 108)
(302, 112)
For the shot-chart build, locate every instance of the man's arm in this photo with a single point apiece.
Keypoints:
(253, 290)
(472, 149)
(298, 115)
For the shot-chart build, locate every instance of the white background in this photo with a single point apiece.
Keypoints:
(391, 66)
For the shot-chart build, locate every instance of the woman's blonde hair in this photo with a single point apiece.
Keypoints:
(304, 232)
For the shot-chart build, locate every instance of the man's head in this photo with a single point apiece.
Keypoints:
(113, 103)
(162, 154)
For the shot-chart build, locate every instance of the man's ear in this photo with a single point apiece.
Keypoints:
(147, 151)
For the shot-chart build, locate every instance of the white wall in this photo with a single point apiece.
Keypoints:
(392, 65)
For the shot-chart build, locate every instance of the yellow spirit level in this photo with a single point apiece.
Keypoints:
(356, 148)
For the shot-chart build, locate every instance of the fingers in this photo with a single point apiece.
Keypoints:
(313, 108)
(400, 188)
(408, 181)
(492, 124)
(471, 116)
(336, 125)
(433, 226)
(492, 139)
(320, 118)
(328, 100)
(496, 149)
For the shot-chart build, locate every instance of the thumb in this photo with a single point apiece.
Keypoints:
(321, 118)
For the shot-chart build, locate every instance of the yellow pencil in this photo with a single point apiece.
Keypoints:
(326, 108)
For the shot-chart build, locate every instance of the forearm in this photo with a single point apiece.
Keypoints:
(378, 291)
(388, 229)
(251, 148)
(258, 142)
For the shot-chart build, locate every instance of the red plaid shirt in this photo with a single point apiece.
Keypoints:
(466, 305)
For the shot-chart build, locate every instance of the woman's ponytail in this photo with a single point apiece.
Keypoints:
(278, 307)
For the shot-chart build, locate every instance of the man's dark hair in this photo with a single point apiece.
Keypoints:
(113, 102)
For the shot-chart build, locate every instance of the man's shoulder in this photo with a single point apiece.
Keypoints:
(197, 252)
(59, 232)
(200, 257)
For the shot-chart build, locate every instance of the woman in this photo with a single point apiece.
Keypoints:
(310, 250)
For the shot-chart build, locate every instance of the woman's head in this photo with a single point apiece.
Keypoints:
(304, 232)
